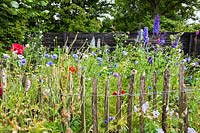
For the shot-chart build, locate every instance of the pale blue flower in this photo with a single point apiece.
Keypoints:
(54, 56)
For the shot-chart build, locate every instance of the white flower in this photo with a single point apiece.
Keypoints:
(160, 130)
(145, 106)
(135, 109)
(191, 130)
(171, 113)
(56, 16)
(28, 85)
(46, 92)
(193, 64)
(155, 114)
(27, 46)
(20, 57)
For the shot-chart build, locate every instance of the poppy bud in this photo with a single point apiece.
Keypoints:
(115, 93)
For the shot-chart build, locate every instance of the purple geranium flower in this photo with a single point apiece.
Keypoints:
(175, 44)
(188, 59)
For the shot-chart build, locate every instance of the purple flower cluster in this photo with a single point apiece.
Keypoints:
(111, 118)
(175, 43)
(156, 26)
(150, 60)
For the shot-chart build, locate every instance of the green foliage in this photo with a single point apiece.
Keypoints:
(130, 15)
(21, 18)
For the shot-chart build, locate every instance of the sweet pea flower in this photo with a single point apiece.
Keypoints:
(17, 48)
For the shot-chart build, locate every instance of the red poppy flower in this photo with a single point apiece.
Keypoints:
(1, 91)
(18, 48)
(72, 69)
(115, 93)
(123, 92)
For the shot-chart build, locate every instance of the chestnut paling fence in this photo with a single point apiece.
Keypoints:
(66, 97)
(182, 113)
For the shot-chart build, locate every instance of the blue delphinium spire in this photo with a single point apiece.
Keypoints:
(146, 38)
(156, 26)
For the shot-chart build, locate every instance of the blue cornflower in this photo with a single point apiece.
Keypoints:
(111, 118)
(105, 121)
(46, 55)
(136, 62)
(6, 56)
(40, 80)
(75, 56)
(175, 44)
(156, 26)
(54, 56)
(176, 64)
(150, 60)
(115, 65)
(22, 62)
(145, 34)
(49, 63)
(149, 87)
(99, 59)
(124, 53)
(94, 54)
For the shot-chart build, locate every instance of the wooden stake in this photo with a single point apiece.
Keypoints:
(119, 101)
(83, 122)
(165, 100)
(106, 106)
(154, 91)
(94, 105)
(142, 101)
(130, 104)
(183, 112)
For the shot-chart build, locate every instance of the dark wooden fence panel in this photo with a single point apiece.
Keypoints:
(188, 39)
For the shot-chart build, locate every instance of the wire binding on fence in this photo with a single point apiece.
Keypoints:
(138, 94)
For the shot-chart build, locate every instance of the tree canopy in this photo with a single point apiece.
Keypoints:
(21, 17)
(130, 14)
